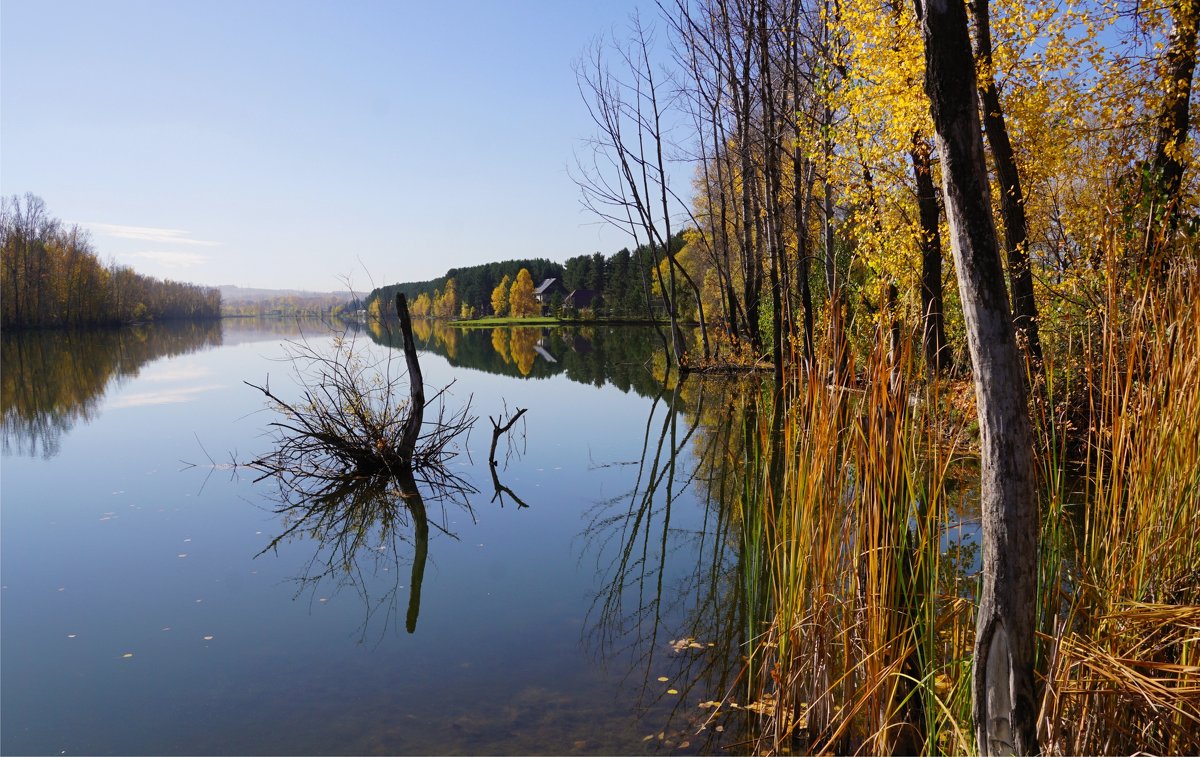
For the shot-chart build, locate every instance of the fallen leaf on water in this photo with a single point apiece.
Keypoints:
(720, 729)
(672, 691)
(648, 737)
(685, 745)
(71, 636)
(127, 655)
(663, 679)
(208, 638)
(710, 704)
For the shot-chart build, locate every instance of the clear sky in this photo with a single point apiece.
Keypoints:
(289, 144)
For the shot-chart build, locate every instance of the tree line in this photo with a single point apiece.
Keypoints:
(472, 285)
(814, 205)
(623, 282)
(50, 276)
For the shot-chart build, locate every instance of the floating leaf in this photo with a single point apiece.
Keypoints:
(672, 691)
(208, 638)
(127, 655)
(712, 703)
(71, 635)
(663, 679)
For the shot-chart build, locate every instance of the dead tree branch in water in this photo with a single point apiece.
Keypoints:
(352, 420)
(351, 456)
(499, 430)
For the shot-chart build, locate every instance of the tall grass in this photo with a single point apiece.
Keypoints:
(864, 550)
(863, 651)
(1125, 666)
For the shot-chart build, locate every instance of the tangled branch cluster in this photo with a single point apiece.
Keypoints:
(354, 420)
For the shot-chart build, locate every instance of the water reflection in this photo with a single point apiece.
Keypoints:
(620, 356)
(360, 528)
(675, 599)
(53, 380)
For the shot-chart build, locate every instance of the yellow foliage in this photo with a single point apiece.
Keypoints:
(521, 302)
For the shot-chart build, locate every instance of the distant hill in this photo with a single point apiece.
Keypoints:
(231, 293)
(248, 301)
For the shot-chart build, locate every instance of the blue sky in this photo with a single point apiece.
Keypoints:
(290, 144)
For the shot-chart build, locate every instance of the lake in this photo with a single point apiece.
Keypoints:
(140, 613)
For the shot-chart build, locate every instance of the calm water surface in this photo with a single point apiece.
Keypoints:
(137, 618)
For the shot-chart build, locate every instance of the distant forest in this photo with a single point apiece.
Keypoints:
(51, 276)
(623, 280)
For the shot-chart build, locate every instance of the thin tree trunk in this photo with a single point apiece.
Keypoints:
(1012, 201)
(1004, 698)
(937, 352)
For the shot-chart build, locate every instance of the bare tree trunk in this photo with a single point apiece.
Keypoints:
(1012, 200)
(937, 352)
(1003, 687)
(416, 384)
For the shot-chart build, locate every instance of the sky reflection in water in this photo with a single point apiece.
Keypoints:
(136, 618)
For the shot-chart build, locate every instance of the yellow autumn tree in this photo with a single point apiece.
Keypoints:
(445, 305)
(521, 302)
(500, 296)
(422, 306)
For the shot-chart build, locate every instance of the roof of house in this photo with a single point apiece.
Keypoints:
(545, 286)
(580, 298)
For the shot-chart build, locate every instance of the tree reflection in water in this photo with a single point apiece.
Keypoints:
(675, 600)
(55, 379)
(348, 461)
(359, 527)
